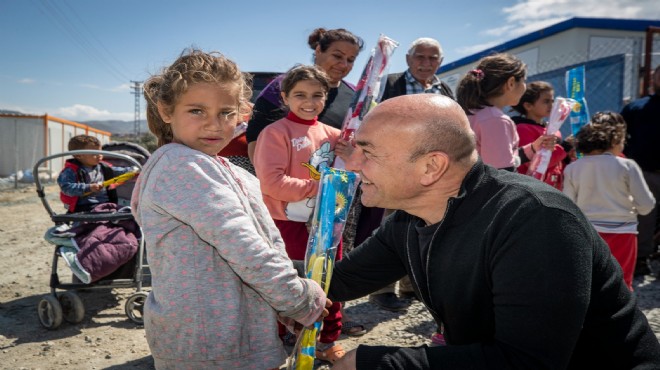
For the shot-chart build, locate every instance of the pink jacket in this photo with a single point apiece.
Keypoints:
(497, 138)
(286, 160)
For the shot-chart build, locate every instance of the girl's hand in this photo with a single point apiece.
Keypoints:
(344, 149)
(298, 326)
(544, 142)
(328, 304)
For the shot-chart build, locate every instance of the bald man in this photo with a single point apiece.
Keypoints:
(512, 268)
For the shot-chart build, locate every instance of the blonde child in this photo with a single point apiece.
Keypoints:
(220, 274)
(287, 158)
(534, 106)
(498, 81)
(609, 188)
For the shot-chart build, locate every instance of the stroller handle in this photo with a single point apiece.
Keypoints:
(39, 185)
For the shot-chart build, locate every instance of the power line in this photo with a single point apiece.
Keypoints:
(60, 18)
(89, 32)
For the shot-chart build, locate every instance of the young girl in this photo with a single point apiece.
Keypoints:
(220, 274)
(534, 105)
(608, 188)
(287, 158)
(497, 82)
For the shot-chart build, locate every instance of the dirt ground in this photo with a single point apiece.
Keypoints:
(106, 338)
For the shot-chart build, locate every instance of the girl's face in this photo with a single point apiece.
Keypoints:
(541, 107)
(306, 99)
(337, 61)
(205, 116)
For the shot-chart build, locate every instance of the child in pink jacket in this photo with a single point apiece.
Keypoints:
(287, 159)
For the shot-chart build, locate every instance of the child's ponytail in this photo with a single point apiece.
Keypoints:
(487, 80)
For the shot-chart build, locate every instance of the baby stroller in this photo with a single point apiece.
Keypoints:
(67, 305)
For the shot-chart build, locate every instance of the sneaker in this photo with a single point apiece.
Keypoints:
(407, 294)
(69, 256)
(437, 339)
(331, 354)
(389, 301)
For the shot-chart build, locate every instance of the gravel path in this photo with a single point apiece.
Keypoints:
(106, 339)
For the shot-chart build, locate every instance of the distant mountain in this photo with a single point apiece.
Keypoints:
(117, 127)
(114, 126)
(5, 111)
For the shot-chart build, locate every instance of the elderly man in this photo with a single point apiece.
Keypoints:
(510, 265)
(423, 58)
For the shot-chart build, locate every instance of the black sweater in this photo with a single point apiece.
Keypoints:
(518, 277)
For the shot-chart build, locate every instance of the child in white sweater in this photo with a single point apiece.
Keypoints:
(609, 188)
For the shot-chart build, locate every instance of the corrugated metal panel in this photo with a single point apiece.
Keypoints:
(636, 25)
(24, 139)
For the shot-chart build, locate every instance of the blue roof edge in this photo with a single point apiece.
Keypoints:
(576, 22)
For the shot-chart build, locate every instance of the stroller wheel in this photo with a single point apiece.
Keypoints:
(50, 312)
(72, 307)
(135, 307)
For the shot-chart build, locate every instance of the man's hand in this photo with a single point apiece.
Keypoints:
(347, 362)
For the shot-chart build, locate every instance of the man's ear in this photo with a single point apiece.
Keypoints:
(164, 113)
(435, 165)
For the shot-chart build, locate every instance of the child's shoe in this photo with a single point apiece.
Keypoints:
(331, 354)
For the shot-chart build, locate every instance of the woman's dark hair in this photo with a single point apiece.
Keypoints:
(487, 80)
(324, 38)
(605, 130)
(531, 95)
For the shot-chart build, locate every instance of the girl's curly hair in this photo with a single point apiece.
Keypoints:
(605, 130)
(193, 66)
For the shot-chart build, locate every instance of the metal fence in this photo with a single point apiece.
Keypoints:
(614, 69)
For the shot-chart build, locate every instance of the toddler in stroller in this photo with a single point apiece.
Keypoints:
(97, 237)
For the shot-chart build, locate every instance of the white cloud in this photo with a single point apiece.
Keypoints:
(80, 112)
(477, 48)
(499, 31)
(123, 88)
(26, 81)
(527, 16)
(528, 11)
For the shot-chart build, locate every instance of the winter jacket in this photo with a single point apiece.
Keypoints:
(528, 131)
(70, 201)
(534, 288)
(220, 273)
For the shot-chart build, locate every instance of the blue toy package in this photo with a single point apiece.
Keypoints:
(336, 192)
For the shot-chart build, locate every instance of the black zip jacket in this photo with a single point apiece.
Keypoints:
(518, 277)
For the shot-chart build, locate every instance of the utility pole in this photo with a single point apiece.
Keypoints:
(137, 91)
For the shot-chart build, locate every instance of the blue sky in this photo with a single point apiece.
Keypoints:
(75, 58)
